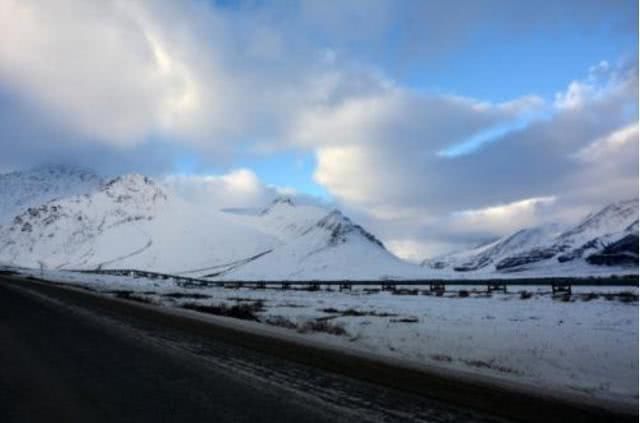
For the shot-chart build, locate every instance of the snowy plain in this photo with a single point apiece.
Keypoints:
(585, 344)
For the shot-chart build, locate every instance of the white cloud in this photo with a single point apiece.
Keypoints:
(373, 150)
(377, 154)
(238, 188)
(603, 81)
(607, 168)
(575, 97)
(607, 148)
(504, 218)
(104, 68)
(340, 170)
(415, 250)
(122, 73)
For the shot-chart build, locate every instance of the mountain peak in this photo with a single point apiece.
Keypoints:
(278, 202)
(608, 219)
(340, 226)
(283, 200)
(20, 190)
(130, 180)
(133, 185)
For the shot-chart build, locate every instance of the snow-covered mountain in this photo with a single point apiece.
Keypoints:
(135, 223)
(65, 218)
(492, 253)
(24, 189)
(608, 237)
(332, 248)
(82, 229)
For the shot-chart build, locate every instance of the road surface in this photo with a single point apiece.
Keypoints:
(67, 356)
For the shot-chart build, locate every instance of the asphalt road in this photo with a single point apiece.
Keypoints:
(55, 366)
(71, 356)
(61, 362)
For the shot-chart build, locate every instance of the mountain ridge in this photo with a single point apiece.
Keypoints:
(132, 221)
(586, 241)
(20, 190)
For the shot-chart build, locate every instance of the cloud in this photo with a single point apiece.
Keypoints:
(380, 154)
(238, 188)
(379, 148)
(102, 68)
(603, 81)
(606, 169)
(413, 250)
(502, 219)
(134, 85)
(613, 147)
(123, 73)
(375, 150)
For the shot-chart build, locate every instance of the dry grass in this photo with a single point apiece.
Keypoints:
(131, 296)
(244, 311)
(525, 295)
(323, 326)
(354, 312)
(194, 296)
(316, 325)
(443, 358)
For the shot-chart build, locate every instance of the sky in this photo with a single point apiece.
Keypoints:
(437, 125)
